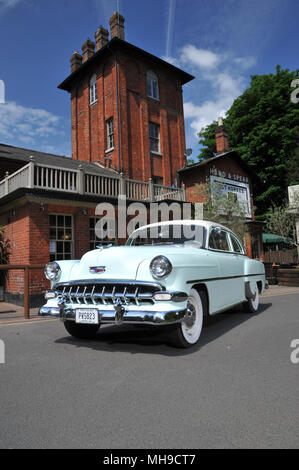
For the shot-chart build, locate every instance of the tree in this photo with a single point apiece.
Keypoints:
(280, 222)
(222, 208)
(263, 126)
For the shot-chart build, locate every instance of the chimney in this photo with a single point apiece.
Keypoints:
(117, 26)
(101, 37)
(221, 138)
(87, 49)
(76, 61)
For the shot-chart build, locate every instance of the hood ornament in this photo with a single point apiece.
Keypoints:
(103, 247)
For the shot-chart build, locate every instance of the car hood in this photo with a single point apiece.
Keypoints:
(121, 262)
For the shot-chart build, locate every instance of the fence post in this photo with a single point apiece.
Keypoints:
(26, 293)
(81, 178)
(151, 193)
(184, 192)
(122, 185)
(31, 172)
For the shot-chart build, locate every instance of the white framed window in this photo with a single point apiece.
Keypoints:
(110, 134)
(61, 237)
(93, 89)
(154, 132)
(152, 88)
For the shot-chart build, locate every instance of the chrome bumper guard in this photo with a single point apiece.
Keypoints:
(119, 315)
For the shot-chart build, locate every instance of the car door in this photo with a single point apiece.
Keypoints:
(230, 283)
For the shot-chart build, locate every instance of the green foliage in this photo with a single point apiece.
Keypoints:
(4, 252)
(263, 126)
(4, 247)
(222, 208)
(280, 221)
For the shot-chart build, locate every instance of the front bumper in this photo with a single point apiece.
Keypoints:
(117, 316)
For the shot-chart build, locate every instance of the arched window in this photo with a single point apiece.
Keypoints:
(152, 88)
(93, 91)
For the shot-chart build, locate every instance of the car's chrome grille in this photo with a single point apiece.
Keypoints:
(107, 292)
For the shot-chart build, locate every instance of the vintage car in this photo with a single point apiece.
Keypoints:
(161, 277)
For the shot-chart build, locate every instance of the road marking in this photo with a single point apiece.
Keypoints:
(27, 322)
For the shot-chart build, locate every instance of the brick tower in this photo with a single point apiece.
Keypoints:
(127, 107)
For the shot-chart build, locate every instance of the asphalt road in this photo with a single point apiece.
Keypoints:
(128, 389)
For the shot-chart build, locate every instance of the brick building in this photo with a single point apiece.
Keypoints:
(230, 171)
(127, 107)
(127, 138)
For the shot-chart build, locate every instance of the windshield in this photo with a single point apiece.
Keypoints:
(172, 234)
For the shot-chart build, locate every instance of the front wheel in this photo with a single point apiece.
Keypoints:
(81, 331)
(252, 305)
(187, 333)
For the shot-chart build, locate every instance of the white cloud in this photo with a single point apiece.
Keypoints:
(221, 79)
(5, 4)
(245, 62)
(225, 89)
(20, 125)
(199, 57)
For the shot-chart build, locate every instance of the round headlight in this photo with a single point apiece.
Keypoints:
(52, 271)
(160, 267)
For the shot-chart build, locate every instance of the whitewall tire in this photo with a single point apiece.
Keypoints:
(252, 305)
(187, 333)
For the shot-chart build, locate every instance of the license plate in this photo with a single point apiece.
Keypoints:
(87, 315)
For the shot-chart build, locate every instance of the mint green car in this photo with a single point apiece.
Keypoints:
(169, 274)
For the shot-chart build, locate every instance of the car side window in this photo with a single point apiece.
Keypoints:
(237, 247)
(218, 240)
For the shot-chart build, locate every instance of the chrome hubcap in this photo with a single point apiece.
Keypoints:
(190, 316)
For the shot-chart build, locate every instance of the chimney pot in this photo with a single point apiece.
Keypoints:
(221, 138)
(117, 26)
(87, 49)
(101, 37)
(76, 61)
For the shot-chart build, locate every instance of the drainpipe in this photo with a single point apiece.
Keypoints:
(117, 106)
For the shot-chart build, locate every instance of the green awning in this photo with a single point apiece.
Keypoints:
(272, 238)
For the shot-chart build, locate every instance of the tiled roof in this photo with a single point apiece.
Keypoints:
(18, 154)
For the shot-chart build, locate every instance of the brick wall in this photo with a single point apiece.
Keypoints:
(198, 175)
(89, 133)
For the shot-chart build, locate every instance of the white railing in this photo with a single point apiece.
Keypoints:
(36, 175)
(101, 185)
(167, 192)
(138, 190)
(59, 179)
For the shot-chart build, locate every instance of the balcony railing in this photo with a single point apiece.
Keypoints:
(36, 175)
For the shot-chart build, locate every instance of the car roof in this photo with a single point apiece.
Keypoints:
(203, 223)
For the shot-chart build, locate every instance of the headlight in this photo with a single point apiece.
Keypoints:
(160, 267)
(52, 271)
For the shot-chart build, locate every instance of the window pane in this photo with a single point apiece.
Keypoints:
(236, 246)
(68, 221)
(60, 221)
(148, 87)
(61, 236)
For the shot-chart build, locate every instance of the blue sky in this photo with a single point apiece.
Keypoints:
(221, 42)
